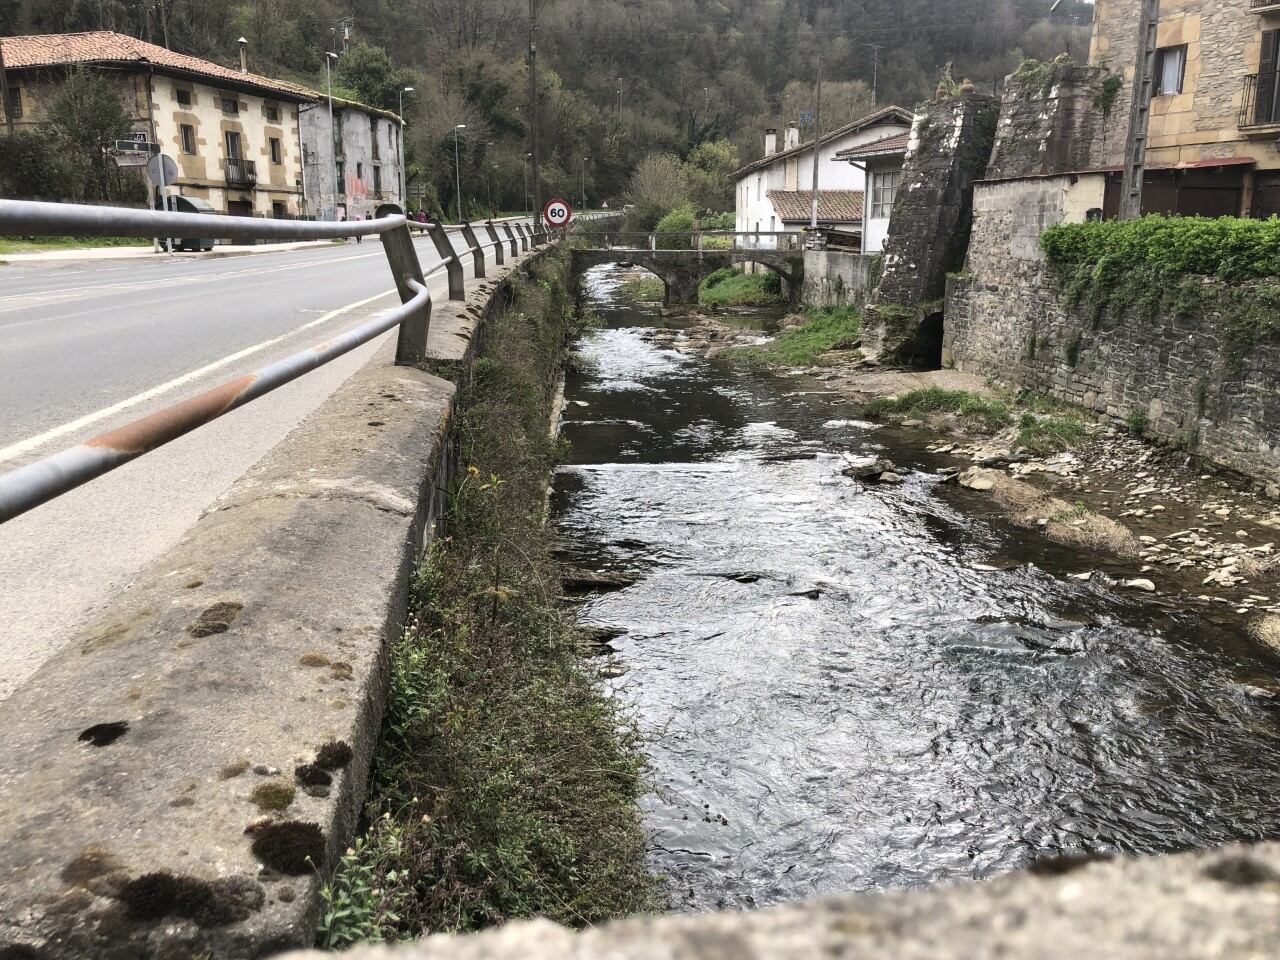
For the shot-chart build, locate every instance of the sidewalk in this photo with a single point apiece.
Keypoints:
(144, 253)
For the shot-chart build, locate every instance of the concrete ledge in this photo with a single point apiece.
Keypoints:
(257, 640)
(1201, 906)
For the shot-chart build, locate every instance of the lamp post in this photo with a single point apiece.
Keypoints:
(329, 57)
(526, 184)
(584, 184)
(457, 166)
(404, 176)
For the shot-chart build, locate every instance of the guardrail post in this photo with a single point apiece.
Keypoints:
(653, 241)
(411, 348)
(523, 234)
(477, 254)
(498, 256)
(444, 247)
(511, 239)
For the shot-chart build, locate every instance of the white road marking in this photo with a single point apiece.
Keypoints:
(33, 443)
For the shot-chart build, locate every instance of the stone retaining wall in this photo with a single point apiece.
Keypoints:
(836, 279)
(1172, 375)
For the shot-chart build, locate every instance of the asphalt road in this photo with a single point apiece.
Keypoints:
(88, 346)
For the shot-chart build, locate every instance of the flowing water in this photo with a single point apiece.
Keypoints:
(847, 688)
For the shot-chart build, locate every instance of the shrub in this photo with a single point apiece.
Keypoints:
(679, 220)
(1229, 248)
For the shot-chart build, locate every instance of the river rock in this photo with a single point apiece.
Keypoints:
(1140, 584)
(977, 479)
(576, 580)
(874, 472)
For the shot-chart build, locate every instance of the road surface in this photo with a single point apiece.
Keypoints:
(88, 346)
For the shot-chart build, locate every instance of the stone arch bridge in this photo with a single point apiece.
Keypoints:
(682, 271)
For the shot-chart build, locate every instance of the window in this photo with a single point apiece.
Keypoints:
(884, 188)
(233, 145)
(14, 106)
(272, 113)
(359, 171)
(342, 179)
(275, 151)
(759, 181)
(278, 210)
(184, 98)
(377, 181)
(337, 131)
(373, 133)
(188, 133)
(230, 106)
(1171, 68)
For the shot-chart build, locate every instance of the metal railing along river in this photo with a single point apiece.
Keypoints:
(706, 240)
(29, 486)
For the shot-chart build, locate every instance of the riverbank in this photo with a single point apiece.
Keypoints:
(1148, 517)
(507, 779)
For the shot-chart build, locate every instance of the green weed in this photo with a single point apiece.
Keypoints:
(827, 328)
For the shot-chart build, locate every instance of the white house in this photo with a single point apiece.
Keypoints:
(881, 163)
(775, 193)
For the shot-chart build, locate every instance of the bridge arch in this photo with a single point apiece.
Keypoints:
(682, 271)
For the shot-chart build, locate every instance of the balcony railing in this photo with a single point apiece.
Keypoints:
(241, 173)
(1263, 6)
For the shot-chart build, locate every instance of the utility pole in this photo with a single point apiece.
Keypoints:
(164, 20)
(875, 73)
(1135, 160)
(533, 114)
(5, 103)
(817, 147)
(333, 132)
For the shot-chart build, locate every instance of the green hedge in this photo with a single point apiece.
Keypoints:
(1228, 248)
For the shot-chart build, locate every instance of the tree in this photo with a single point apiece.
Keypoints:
(376, 81)
(709, 171)
(85, 119)
(658, 186)
(32, 168)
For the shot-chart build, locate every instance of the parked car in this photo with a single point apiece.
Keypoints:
(189, 205)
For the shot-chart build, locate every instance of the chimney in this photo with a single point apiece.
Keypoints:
(770, 142)
(793, 136)
(244, 55)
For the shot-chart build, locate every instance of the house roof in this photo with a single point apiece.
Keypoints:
(834, 206)
(890, 146)
(105, 46)
(885, 115)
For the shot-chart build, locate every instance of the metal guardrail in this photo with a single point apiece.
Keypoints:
(30, 486)
(706, 240)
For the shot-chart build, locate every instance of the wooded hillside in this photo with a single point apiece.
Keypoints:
(691, 70)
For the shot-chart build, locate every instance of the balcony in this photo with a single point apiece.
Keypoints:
(241, 173)
(1264, 6)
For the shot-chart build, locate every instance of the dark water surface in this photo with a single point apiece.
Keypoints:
(848, 688)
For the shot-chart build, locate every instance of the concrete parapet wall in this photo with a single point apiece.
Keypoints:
(131, 765)
(836, 279)
(1173, 372)
(1199, 906)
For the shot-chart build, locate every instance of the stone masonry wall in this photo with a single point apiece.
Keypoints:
(948, 150)
(1004, 320)
(1054, 119)
(836, 279)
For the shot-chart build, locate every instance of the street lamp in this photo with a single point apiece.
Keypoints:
(404, 177)
(329, 59)
(457, 167)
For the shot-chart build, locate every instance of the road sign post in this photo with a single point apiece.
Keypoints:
(557, 213)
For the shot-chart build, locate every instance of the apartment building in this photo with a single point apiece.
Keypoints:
(1214, 134)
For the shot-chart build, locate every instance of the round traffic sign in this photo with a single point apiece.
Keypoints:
(557, 213)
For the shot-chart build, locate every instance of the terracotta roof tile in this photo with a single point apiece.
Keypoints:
(834, 206)
(104, 46)
(888, 147)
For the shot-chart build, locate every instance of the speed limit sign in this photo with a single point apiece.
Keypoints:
(557, 213)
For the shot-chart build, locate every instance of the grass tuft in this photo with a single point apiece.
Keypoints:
(825, 329)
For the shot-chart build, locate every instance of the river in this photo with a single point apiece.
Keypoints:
(847, 688)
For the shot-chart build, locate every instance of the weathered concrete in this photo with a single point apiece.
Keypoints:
(682, 271)
(833, 278)
(259, 638)
(948, 150)
(1223, 905)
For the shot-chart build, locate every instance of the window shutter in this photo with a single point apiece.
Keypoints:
(1264, 109)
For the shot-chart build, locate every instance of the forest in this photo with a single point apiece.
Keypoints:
(617, 80)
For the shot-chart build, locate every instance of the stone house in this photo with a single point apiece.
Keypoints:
(244, 144)
(233, 135)
(1214, 134)
(354, 158)
(772, 191)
